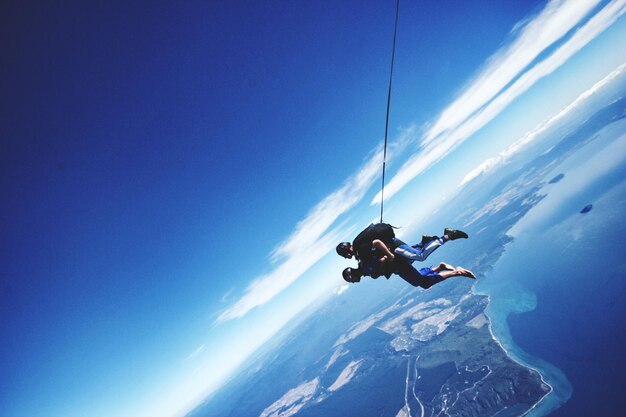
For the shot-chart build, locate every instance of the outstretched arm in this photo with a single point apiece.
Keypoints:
(378, 244)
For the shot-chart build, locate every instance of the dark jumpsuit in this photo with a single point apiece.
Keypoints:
(425, 277)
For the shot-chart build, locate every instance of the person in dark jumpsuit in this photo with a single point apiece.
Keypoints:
(424, 277)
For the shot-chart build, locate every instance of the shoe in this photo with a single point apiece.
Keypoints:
(454, 234)
(426, 239)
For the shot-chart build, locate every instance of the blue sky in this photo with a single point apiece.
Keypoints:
(175, 177)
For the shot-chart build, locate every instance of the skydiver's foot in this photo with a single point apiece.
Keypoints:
(445, 267)
(426, 239)
(466, 273)
(454, 234)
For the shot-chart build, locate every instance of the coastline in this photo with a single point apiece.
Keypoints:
(560, 389)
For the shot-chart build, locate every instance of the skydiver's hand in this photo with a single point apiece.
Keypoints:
(386, 258)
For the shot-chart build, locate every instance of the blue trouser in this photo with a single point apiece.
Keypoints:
(417, 252)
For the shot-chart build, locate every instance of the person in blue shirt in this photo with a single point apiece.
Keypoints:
(364, 247)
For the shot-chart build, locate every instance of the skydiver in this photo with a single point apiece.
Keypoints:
(425, 277)
(380, 238)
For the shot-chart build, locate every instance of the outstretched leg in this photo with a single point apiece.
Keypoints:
(428, 245)
(419, 252)
(425, 277)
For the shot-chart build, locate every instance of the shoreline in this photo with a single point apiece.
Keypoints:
(550, 401)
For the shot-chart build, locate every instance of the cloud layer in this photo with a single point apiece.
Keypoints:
(506, 76)
(516, 147)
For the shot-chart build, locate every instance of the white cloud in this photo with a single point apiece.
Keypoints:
(266, 287)
(516, 147)
(598, 23)
(554, 21)
(469, 112)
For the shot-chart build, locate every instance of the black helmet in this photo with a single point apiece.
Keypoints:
(352, 275)
(344, 249)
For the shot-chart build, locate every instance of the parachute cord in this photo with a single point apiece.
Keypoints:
(393, 53)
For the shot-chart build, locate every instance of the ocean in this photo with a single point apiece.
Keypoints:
(557, 294)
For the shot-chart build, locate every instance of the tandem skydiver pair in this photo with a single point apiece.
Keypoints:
(379, 252)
